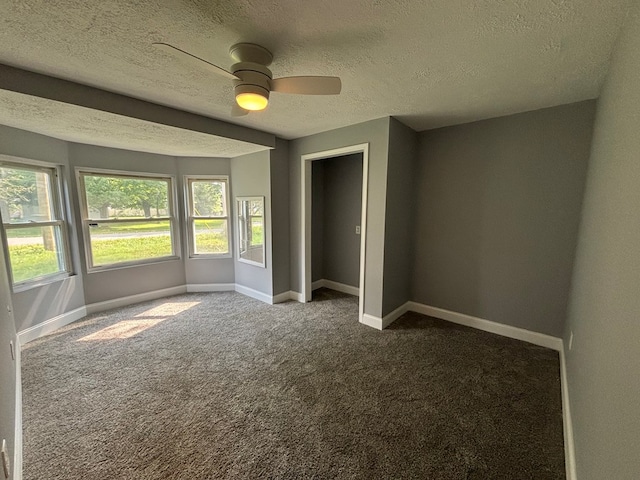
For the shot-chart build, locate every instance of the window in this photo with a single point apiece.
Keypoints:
(251, 230)
(207, 203)
(33, 222)
(127, 219)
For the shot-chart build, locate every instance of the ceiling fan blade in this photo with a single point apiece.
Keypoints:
(307, 85)
(238, 111)
(176, 52)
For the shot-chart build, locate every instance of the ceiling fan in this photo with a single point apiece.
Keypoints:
(253, 81)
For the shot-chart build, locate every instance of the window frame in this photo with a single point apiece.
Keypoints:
(59, 214)
(85, 220)
(190, 218)
(248, 225)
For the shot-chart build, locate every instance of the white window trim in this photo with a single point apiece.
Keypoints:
(59, 211)
(85, 220)
(189, 218)
(239, 250)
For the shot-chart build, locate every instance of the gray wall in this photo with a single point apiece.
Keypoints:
(498, 209)
(36, 304)
(604, 316)
(399, 228)
(335, 245)
(249, 178)
(279, 165)
(202, 271)
(122, 282)
(317, 220)
(8, 370)
(376, 134)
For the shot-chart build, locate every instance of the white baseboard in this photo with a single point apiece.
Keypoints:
(250, 292)
(211, 287)
(131, 299)
(536, 338)
(17, 438)
(382, 323)
(389, 318)
(569, 449)
(297, 296)
(51, 325)
(233, 287)
(282, 297)
(263, 297)
(371, 321)
(338, 287)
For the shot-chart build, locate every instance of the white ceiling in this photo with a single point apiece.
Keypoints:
(429, 63)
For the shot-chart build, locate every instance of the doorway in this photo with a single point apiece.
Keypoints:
(343, 225)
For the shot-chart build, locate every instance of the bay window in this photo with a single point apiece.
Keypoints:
(127, 218)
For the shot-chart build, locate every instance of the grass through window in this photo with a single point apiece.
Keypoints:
(29, 261)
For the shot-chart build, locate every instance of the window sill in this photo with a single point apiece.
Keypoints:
(41, 282)
(124, 265)
(211, 256)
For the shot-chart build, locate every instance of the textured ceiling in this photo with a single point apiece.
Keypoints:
(429, 63)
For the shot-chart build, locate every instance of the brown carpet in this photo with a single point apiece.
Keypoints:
(218, 385)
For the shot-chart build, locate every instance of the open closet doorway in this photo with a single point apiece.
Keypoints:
(334, 213)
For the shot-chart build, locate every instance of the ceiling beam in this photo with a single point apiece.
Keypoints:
(56, 89)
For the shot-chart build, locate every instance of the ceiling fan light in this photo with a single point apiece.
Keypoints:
(252, 101)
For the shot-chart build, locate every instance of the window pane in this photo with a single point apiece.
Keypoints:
(256, 231)
(122, 197)
(35, 252)
(126, 242)
(256, 208)
(25, 195)
(209, 198)
(211, 237)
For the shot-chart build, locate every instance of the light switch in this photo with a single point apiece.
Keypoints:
(357, 229)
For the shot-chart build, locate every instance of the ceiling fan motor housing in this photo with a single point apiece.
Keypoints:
(253, 78)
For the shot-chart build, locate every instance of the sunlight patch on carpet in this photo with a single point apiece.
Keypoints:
(168, 309)
(141, 322)
(121, 330)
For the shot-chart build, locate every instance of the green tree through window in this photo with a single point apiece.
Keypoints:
(208, 216)
(127, 218)
(32, 222)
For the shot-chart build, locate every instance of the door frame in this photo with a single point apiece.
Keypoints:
(305, 219)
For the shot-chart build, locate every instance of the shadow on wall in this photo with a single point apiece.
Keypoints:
(335, 219)
(52, 297)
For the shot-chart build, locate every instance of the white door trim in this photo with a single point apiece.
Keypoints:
(305, 220)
